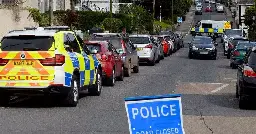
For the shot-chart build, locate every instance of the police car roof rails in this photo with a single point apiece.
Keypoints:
(58, 28)
(30, 28)
(14, 31)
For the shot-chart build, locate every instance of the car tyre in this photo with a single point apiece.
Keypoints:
(111, 80)
(243, 102)
(121, 77)
(158, 59)
(96, 88)
(136, 68)
(4, 99)
(233, 66)
(214, 57)
(190, 56)
(127, 71)
(73, 94)
(153, 62)
(228, 56)
(237, 95)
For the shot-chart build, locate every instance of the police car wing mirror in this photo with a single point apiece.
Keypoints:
(68, 48)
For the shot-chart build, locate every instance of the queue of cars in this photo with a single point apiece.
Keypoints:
(57, 61)
(242, 55)
(218, 7)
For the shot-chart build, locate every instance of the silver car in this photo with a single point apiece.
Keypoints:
(160, 49)
(146, 48)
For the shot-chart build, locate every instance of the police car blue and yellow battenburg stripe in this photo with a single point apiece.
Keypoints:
(207, 30)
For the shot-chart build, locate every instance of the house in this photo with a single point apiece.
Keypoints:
(241, 6)
(99, 5)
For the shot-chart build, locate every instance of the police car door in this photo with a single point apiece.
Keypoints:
(75, 53)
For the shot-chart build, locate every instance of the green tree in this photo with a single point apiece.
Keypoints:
(112, 24)
(250, 12)
(141, 20)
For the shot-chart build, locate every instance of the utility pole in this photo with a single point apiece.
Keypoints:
(160, 13)
(154, 5)
(172, 13)
(50, 12)
(111, 16)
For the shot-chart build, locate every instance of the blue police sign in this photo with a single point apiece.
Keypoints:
(155, 114)
(179, 19)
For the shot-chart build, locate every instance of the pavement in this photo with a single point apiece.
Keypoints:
(208, 99)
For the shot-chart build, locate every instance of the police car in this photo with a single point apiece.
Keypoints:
(47, 61)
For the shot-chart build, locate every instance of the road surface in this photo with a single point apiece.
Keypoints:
(207, 88)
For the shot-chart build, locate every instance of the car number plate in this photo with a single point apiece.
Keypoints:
(139, 49)
(203, 52)
(23, 63)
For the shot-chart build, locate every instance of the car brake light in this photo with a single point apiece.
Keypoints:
(248, 72)
(58, 60)
(149, 46)
(3, 61)
(236, 53)
(104, 57)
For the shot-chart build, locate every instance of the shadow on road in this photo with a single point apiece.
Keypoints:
(40, 101)
(216, 105)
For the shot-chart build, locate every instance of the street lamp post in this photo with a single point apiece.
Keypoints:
(172, 13)
(160, 13)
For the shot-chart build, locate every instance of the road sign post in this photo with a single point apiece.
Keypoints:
(179, 19)
(155, 114)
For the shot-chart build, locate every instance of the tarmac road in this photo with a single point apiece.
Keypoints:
(208, 99)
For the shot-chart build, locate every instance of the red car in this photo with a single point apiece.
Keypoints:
(166, 45)
(111, 61)
(208, 9)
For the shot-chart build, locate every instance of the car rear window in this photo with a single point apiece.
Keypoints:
(235, 41)
(95, 46)
(116, 43)
(140, 40)
(252, 59)
(30, 43)
(245, 45)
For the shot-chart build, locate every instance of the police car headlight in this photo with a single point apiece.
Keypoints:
(194, 48)
(211, 48)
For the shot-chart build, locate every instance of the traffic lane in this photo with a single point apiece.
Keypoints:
(209, 101)
(103, 114)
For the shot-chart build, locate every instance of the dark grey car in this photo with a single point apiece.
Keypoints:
(127, 50)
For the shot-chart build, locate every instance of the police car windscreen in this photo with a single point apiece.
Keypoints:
(29, 43)
(233, 32)
(140, 40)
(205, 25)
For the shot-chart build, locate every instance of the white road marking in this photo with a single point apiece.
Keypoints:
(228, 78)
(219, 88)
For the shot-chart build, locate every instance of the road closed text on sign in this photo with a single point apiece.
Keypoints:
(158, 115)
